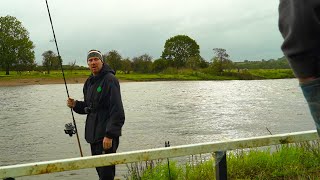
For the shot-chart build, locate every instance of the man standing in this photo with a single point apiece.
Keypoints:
(103, 106)
(299, 24)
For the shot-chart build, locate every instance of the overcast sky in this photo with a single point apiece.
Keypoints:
(247, 29)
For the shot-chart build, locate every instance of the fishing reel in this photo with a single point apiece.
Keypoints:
(70, 129)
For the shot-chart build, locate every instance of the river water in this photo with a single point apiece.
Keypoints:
(32, 118)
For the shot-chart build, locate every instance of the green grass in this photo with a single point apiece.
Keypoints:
(166, 77)
(272, 73)
(288, 162)
(293, 161)
(56, 74)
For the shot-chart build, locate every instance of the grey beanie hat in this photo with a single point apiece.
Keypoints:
(94, 53)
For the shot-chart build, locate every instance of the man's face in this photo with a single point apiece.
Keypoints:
(95, 65)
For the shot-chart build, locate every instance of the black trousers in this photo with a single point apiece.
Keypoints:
(105, 172)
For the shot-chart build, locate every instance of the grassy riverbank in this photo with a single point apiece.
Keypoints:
(188, 74)
(79, 76)
(294, 161)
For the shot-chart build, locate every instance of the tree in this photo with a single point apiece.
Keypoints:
(25, 61)
(159, 65)
(23, 64)
(220, 57)
(178, 49)
(49, 59)
(203, 63)
(126, 66)
(16, 49)
(113, 59)
(142, 64)
(194, 62)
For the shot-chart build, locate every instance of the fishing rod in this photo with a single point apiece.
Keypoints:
(70, 129)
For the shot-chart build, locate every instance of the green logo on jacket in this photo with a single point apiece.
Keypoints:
(99, 89)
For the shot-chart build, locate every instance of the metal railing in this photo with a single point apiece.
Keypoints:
(45, 167)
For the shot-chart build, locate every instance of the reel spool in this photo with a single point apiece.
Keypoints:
(70, 129)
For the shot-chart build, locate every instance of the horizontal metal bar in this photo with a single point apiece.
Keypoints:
(151, 154)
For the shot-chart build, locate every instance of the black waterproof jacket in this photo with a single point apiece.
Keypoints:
(103, 106)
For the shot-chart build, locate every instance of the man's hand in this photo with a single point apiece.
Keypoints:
(107, 143)
(71, 103)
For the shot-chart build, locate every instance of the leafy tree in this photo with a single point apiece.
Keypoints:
(220, 58)
(126, 66)
(16, 49)
(142, 64)
(25, 61)
(49, 60)
(228, 65)
(178, 49)
(159, 65)
(24, 65)
(203, 63)
(113, 59)
(194, 62)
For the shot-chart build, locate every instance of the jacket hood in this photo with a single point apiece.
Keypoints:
(104, 70)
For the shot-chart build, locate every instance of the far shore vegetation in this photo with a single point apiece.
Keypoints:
(248, 70)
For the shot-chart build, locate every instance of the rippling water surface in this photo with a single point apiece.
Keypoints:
(32, 118)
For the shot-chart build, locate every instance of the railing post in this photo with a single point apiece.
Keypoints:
(221, 165)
